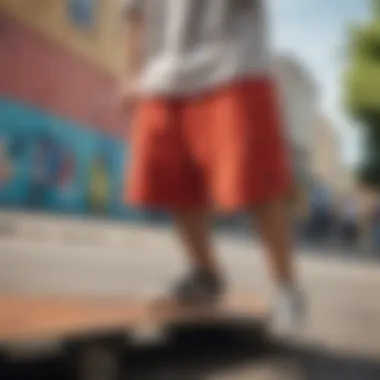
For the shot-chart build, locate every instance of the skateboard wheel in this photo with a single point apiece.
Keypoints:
(96, 360)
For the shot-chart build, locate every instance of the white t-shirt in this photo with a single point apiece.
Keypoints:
(194, 45)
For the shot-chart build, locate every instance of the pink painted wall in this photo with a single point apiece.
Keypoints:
(41, 73)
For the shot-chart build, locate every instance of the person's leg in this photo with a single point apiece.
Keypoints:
(204, 282)
(194, 230)
(276, 231)
(165, 175)
(194, 224)
(252, 172)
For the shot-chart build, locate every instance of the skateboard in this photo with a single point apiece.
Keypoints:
(94, 332)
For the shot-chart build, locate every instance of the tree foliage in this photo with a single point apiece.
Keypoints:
(362, 91)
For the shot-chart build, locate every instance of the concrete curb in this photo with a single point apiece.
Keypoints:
(68, 230)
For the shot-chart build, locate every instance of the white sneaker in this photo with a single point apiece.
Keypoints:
(289, 311)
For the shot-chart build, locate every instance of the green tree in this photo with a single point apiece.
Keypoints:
(362, 92)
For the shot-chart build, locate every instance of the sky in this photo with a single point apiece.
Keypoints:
(316, 32)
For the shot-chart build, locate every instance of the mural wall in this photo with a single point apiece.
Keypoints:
(50, 164)
(62, 143)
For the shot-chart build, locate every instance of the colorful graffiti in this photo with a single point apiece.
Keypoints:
(51, 164)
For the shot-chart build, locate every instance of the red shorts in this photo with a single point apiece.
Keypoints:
(223, 150)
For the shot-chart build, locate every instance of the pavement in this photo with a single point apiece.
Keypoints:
(341, 339)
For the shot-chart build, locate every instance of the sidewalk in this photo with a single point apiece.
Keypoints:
(73, 230)
(68, 230)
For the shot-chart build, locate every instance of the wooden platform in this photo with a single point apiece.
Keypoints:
(25, 318)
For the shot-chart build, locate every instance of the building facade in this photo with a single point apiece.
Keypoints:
(328, 166)
(299, 98)
(61, 131)
(326, 157)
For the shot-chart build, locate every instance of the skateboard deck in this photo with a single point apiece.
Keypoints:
(25, 318)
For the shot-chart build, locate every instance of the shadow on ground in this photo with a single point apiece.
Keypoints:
(211, 359)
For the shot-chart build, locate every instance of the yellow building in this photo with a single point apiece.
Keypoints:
(98, 37)
(326, 160)
(61, 65)
(68, 58)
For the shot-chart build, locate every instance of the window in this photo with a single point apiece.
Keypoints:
(82, 12)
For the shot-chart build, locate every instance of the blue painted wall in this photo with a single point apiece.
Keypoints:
(51, 164)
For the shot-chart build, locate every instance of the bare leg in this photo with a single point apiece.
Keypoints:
(194, 229)
(204, 282)
(275, 224)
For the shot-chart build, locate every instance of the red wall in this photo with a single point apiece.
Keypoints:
(41, 73)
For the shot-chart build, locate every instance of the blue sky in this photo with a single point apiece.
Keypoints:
(316, 32)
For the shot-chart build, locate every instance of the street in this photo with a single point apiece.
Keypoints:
(341, 339)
